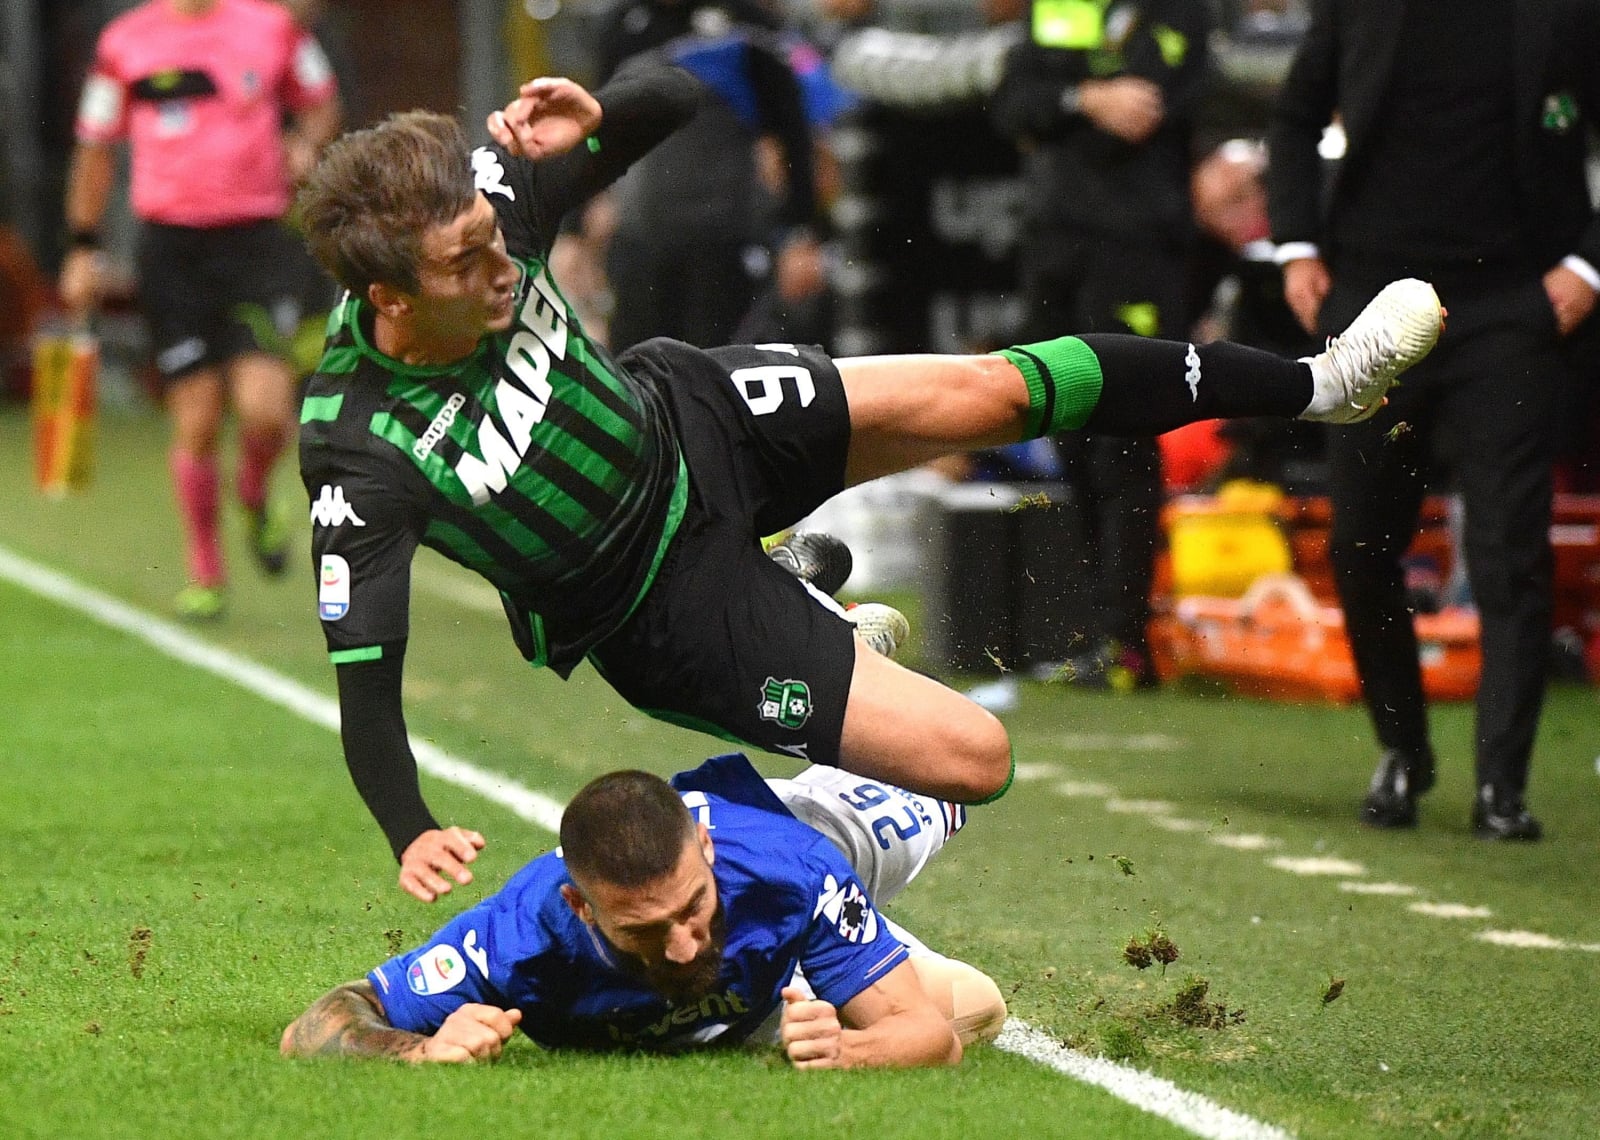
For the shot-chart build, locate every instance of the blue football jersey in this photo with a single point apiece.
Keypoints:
(791, 899)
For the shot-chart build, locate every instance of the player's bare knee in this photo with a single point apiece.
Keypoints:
(987, 772)
(980, 1009)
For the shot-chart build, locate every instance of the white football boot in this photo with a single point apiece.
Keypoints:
(884, 628)
(1397, 328)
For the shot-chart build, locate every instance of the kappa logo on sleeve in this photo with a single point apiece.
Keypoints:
(489, 174)
(846, 908)
(331, 509)
(438, 969)
(333, 588)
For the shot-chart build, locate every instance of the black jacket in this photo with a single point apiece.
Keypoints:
(1345, 64)
(1080, 177)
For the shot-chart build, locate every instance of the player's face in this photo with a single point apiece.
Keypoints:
(467, 283)
(671, 931)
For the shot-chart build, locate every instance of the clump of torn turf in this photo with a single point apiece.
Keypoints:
(1134, 1018)
(1154, 948)
(138, 949)
(1191, 1007)
(1037, 501)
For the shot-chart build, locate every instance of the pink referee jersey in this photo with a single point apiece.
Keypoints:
(200, 99)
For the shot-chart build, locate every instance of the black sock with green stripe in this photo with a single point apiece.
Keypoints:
(1132, 385)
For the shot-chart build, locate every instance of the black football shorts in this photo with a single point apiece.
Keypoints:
(726, 641)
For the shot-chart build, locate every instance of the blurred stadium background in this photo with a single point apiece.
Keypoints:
(1387, 986)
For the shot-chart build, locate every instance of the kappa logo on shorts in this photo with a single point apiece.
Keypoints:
(786, 702)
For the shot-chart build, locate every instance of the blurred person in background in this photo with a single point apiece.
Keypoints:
(695, 239)
(1235, 292)
(1467, 126)
(1101, 99)
(201, 91)
(713, 912)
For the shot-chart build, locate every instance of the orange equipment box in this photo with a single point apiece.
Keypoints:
(1279, 641)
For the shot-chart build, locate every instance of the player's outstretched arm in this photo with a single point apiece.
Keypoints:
(548, 117)
(349, 1021)
(892, 1023)
(378, 753)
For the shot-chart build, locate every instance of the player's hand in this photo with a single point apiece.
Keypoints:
(82, 280)
(435, 854)
(1126, 106)
(1306, 282)
(548, 117)
(1570, 297)
(812, 1035)
(472, 1033)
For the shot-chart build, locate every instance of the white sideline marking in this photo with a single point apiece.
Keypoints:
(1138, 807)
(1398, 889)
(1085, 788)
(1110, 742)
(1036, 771)
(1157, 1096)
(269, 684)
(1247, 842)
(1450, 910)
(1521, 939)
(1317, 865)
(1178, 823)
(1148, 1093)
(1159, 812)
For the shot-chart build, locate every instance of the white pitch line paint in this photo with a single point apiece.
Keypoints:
(266, 683)
(1111, 742)
(1148, 1093)
(1036, 771)
(1178, 823)
(1450, 910)
(1087, 789)
(1316, 865)
(1157, 1096)
(1399, 890)
(1138, 807)
(1247, 842)
(1521, 939)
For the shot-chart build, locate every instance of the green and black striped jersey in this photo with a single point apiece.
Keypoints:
(536, 462)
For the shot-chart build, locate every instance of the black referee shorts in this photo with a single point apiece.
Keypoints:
(211, 294)
(726, 641)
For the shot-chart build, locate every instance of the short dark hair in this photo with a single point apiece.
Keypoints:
(626, 829)
(375, 192)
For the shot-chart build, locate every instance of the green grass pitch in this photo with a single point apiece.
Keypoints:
(186, 866)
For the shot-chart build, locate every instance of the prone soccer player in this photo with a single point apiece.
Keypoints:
(719, 910)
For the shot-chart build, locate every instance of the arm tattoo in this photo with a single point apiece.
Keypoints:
(349, 1021)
